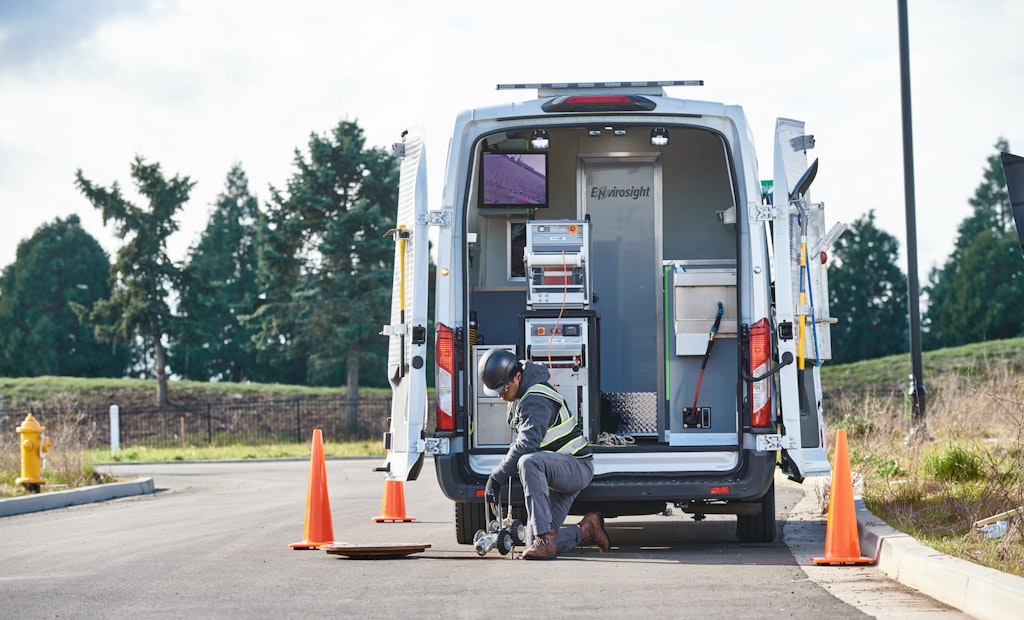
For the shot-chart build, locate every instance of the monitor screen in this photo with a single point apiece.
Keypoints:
(514, 180)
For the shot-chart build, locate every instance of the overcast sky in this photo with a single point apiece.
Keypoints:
(199, 85)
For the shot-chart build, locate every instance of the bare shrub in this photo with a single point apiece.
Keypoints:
(67, 462)
(10, 457)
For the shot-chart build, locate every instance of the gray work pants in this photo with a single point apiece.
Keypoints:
(551, 482)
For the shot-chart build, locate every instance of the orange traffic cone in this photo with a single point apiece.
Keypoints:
(842, 542)
(319, 529)
(392, 505)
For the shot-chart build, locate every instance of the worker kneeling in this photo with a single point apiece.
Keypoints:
(553, 458)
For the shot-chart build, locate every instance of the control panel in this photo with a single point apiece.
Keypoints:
(557, 260)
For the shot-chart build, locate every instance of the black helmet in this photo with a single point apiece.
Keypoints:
(497, 367)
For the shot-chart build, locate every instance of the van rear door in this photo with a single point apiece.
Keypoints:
(803, 439)
(407, 332)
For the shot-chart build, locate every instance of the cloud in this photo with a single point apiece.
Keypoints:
(36, 33)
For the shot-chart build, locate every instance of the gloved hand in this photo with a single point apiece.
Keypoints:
(491, 490)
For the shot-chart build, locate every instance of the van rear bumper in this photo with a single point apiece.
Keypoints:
(622, 494)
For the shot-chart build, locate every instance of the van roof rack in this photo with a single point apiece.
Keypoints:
(601, 85)
(549, 89)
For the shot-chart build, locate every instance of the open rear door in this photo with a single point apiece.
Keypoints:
(803, 441)
(407, 351)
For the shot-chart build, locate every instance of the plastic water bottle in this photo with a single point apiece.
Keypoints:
(995, 531)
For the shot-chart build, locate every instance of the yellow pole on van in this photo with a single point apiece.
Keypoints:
(803, 302)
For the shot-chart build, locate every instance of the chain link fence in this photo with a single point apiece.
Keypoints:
(220, 423)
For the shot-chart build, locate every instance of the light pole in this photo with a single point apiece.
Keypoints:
(918, 430)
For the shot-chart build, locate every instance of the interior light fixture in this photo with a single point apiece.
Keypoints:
(539, 141)
(619, 132)
(594, 133)
(659, 136)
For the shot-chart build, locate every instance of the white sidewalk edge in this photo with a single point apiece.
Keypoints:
(74, 497)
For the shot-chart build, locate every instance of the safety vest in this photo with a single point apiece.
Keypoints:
(564, 435)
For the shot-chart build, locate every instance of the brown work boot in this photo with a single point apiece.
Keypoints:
(593, 530)
(543, 547)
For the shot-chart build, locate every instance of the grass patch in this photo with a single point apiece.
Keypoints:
(954, 463)
(22, 391)
(978, 360)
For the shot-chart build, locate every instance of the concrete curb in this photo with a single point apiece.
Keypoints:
(75, 497)
(978, 591)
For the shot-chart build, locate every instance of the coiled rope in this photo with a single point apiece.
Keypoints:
(608, 439)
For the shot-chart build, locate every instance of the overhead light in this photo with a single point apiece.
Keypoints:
(594, 133)
(539, 141)
(659, 136)
(619, 132)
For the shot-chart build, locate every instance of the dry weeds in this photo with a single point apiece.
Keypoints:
(970, 469)
(67, 464)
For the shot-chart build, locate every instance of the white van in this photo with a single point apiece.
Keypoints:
(625, 239)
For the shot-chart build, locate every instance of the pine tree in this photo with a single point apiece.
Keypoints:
(142, 276)
(867, 284)
(978, 294)
(59, 266)
(324, 261)
(218, 286)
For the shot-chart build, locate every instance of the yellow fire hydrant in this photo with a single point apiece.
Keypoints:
(33, 445)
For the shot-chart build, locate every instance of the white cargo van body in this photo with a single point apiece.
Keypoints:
(620, 237)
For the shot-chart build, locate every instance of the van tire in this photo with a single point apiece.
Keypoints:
(469, 518)
(759, 528)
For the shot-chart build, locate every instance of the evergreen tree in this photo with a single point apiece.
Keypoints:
(59, 265)
(325, 265)
(218, 285)
(867, 284)
(142, 275)
(977, 294)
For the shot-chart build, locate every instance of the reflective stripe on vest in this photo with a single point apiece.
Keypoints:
(564, 435)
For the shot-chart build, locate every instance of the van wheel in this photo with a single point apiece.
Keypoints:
(759, 528)
(469, 518)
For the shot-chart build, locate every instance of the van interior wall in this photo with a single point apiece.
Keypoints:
(698, 186)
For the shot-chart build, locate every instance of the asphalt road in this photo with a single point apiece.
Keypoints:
(213, 542)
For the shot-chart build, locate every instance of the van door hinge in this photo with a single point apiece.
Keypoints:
(419, 334)
(765, 213)
(435, 445)
(441, 217)
(768, 443)
(802, 143)
(397, 329)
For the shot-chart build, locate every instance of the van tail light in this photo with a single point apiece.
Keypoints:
(760, 363)
(444, 358)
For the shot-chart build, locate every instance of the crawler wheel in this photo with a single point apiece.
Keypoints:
(518, 531)
(504, 543)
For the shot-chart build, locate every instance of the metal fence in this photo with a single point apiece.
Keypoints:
(221, 423)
